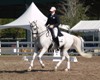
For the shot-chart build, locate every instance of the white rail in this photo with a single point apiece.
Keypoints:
(28, 47)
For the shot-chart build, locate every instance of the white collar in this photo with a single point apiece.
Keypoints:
(53, 13)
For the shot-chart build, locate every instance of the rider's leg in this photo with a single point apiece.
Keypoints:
(52, 32)
(57, 42)
(56, 37)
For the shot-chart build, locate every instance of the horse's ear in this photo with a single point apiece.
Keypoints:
(36, 21)
(29, 22)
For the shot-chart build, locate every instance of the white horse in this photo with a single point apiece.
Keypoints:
(40, 31)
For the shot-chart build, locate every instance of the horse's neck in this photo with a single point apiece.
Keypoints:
(41, 28)
(44, 33)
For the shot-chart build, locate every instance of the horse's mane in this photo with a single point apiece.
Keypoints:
(40, 24)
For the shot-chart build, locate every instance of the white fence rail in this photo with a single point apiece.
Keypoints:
(16, 47)
(28, 47)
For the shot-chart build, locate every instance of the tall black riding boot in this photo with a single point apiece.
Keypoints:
(56, 42)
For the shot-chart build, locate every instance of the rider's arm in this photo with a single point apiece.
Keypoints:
(47, 21)
(57, 21)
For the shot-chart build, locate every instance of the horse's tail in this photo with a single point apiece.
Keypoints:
(78, 44)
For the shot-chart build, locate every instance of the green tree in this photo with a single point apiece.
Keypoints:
(11, 32)
(72, 12)
(93, 8)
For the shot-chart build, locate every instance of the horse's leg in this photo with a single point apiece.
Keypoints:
(68, 62)
(63, 58)
(65, 54)
(40, 55)
(58, 64)
(32, 61)
(34, 55)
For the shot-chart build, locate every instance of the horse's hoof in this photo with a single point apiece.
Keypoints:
(29, 70)
(43, 66)
(55, 69)
(66, 70)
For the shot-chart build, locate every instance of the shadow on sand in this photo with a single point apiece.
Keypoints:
(24, 71)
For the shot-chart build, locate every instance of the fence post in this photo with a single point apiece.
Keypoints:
(56, 55)
(0, 47)
(17, 48)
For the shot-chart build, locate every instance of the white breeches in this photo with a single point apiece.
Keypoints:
(55, 32)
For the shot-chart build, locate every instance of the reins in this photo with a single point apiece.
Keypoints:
(41, 33)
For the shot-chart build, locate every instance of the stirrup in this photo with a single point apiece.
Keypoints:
(58, 49)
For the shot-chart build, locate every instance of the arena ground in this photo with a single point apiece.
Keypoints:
(14, 68)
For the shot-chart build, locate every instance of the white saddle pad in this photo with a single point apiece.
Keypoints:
(61, 40)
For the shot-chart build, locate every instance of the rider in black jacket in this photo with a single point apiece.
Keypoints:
(52, 23)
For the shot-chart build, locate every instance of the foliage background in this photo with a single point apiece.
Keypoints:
(70, 11)
(11, 32)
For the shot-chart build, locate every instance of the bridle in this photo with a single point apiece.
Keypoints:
(35, 32)
(34, 29)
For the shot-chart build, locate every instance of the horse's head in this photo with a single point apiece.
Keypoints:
(34, 28)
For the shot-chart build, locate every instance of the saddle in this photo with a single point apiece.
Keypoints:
(60, 34)
(58, 40)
